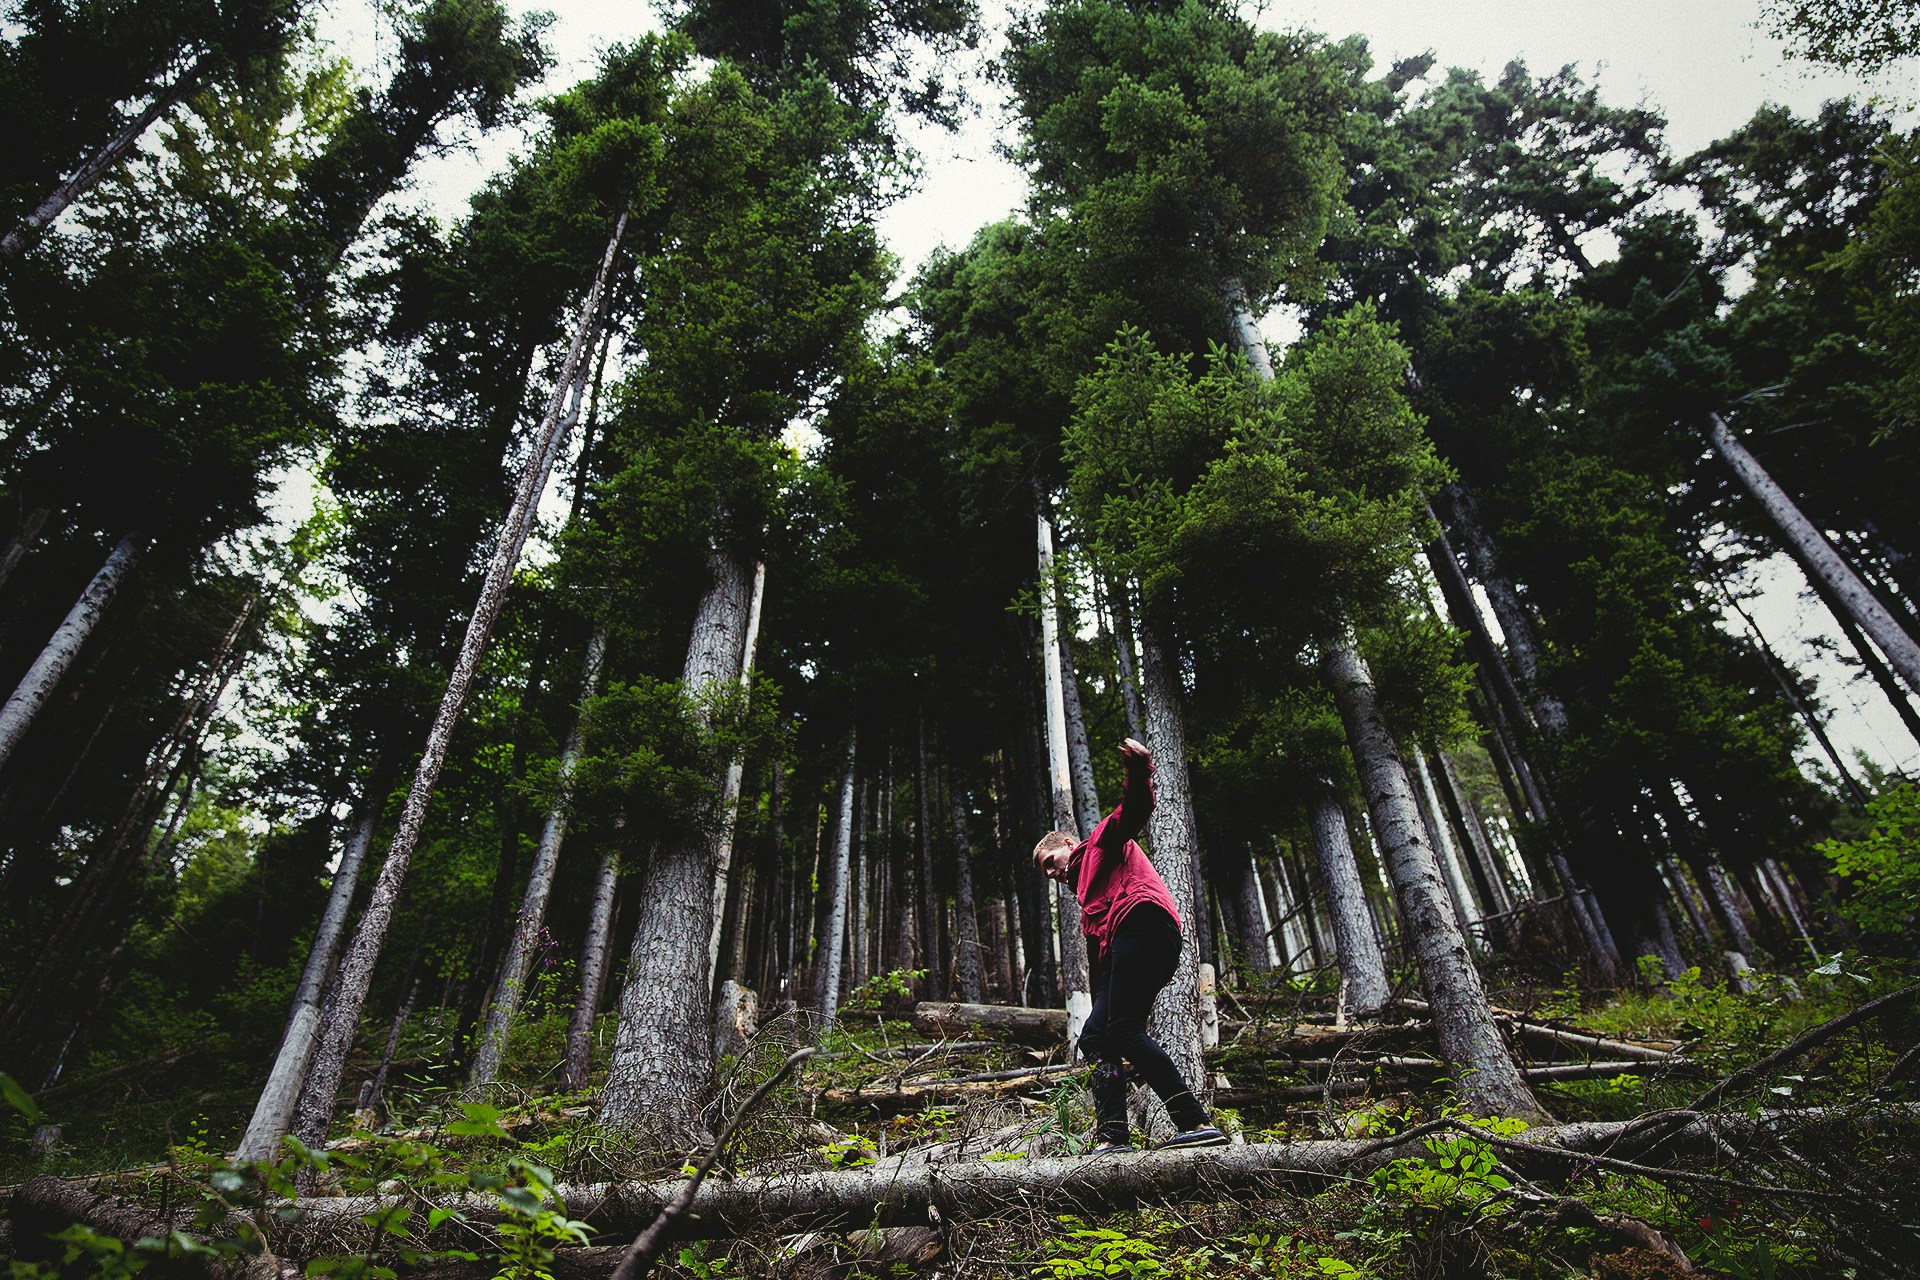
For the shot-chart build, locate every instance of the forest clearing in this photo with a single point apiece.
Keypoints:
(1236, 724)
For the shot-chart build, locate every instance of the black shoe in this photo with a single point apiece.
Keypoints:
(1205, 1136)
(1113, 1149)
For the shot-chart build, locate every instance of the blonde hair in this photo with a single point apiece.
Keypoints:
(1054, 840)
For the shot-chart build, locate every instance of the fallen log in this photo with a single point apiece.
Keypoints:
(892, 1097)
(1011, 1022)
(1590, 1042)
(901, 1191)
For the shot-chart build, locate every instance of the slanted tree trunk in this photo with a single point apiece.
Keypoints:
(967, 978)
(1466, 819)
(533, 905)
(38, 684)
(102, 162)
(274, 1110)
(1464, 1024)
(349, 994)
(730, 790)
(826, 990)
(1356, 947)
(1516, 623)
(662, 1052)
(1440, 840)
(1073, 944)
(1176, 1014)
(1818, 557)
(593, 970)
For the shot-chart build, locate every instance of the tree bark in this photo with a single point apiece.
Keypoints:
(1074, 973)
(826, 992)
(1176, 1013)
(593, 971)
(1440, 840)
(349, 994)
(967, 977)
(88, 175)
(1516, 623)
(533, 906)
(933, 927)
(730, 791)
(38, 684)
(1123, 657)
(1356, 947)
(1462, 1019)
(1818, 557)
(274, 1110)
(662, 1052)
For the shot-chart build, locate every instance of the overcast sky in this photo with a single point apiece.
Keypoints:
(1705, 64)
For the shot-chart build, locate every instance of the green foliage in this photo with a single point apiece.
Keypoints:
(1882, 867)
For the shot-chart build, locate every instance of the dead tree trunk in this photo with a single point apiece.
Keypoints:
(730, 791)
(1357, 948)
(593, 970)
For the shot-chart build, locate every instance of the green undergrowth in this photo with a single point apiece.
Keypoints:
(1451, 1204)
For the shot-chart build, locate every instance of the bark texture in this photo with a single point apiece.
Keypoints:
(1818, 556)
(274, 1111)
(38, 684)
(593, 971)
(1074, 975)
(1357, 948)
(967, 976)
(730, 790)
(1463, 1022)
(662, 1053)
(826, 995)
(1176, 1013)
(103, 161)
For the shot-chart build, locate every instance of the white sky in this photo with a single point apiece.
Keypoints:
(1705, 64)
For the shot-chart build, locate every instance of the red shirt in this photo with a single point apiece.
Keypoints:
(1111, 874)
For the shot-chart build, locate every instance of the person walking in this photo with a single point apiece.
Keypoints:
(1133, 943)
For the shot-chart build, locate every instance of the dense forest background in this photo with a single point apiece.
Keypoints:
(457, 660)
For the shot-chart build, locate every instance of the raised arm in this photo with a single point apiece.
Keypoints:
(1129, 819)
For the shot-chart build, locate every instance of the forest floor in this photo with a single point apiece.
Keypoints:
(1351, 1158)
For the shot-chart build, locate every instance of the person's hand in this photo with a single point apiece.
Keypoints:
(1131, 750)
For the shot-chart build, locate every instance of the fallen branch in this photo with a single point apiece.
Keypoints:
(1805, 1041)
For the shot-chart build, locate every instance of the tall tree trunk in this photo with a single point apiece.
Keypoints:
(967, 977)
(17, 716)
(1251, 913)
(826, 991)
(593, 970)
(1123, 657)
(349, 994)
(1086, 796)
(1818, 557)
(1440, 840)
(1176, 1014)
(730, 790)
(97, 166)
(1356, 947)
(1488, 873)
(1073, 944)
(533, 906)
(933, 909)
(274, 1110)
(663, 1050)
(1468, 1038)
(1516, 623)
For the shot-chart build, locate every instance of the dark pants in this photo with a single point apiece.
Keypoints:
(1139, 961)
